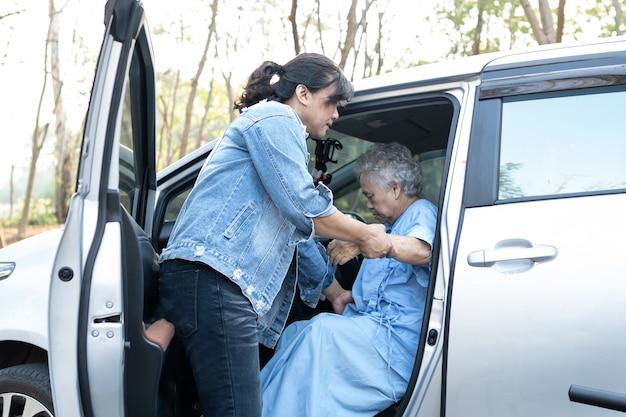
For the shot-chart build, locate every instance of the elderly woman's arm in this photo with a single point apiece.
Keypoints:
(409, 250)
(338, 296)
(404, 249)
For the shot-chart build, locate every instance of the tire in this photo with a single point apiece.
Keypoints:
(25, 391)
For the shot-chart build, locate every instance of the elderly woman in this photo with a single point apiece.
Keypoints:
(358, 362)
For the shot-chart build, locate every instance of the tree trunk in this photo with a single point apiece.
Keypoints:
(618, 17)
(361, 47)
(230, 93)
(207, 108)
(546, 20)
(479, 28)
(63, 177)
(39, 135)
(348, 43)
(168, 122)
(37, 141)
(294, 26)
(544, 32)
(194, 83)
(378, 50)
(319, 25)
(11, 191)
(534, 23)
(560, 23)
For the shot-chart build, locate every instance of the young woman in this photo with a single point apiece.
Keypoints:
(228, 273)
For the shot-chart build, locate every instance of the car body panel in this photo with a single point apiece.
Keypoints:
(516, 322)
(24, 294)
(525, 299)
(524, 325)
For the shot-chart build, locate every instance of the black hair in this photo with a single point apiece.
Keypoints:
(271, 81)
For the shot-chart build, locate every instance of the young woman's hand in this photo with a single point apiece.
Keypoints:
(375, 243)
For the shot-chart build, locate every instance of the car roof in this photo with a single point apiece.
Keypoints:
(486, 65)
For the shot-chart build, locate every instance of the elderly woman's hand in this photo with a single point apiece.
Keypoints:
(339, 251)
(338, 296)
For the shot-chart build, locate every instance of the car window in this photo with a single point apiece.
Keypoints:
(344, 150)
(352, 201)
(136, 153)
(561, 144)
(175, 204)
(423, 125)
(432, 170)
(127, 178)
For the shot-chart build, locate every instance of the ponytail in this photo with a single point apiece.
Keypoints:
(274, 82)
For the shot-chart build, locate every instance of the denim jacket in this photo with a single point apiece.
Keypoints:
(251, 206)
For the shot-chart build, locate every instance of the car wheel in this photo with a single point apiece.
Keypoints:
(25, 391)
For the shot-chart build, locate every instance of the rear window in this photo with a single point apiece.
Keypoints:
(562, 144)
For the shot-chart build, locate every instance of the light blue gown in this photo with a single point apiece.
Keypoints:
(358, 363)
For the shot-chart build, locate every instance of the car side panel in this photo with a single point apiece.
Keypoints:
(519, 339)
(536, 301)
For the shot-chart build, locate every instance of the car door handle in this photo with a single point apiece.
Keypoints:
(511, 250)
(596, 397)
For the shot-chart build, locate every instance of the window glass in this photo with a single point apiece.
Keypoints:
(344, 151)
(127, 162)
(562, 144)
(175, 204)
(423, 127)
(131, 134)
(432, 164)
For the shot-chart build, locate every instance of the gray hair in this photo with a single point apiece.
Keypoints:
(389, 163)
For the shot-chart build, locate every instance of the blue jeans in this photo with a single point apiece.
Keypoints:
(218, 328)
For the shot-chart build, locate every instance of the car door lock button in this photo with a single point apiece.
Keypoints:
(432, 337)
(66, 274)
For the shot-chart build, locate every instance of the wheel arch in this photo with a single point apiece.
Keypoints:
(13, 352)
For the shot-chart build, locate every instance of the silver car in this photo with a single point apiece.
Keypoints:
(523, 152)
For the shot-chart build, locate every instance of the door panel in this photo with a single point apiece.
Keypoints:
(518, 340)
(104, 335)
(101, 365)
(537, 298)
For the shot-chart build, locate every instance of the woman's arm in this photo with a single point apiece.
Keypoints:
(338, 296)
(409, 250)
(406, 249)
(371, 239)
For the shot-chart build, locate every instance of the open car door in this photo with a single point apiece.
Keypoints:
(100, 363)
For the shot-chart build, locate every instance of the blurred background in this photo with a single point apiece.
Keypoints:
(205, 49)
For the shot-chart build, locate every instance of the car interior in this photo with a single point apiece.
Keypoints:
(422, 124)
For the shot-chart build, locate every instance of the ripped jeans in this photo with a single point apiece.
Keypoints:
(218, 328)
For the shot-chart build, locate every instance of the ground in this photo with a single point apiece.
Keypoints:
(8, 235)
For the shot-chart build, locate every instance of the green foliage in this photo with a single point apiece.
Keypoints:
(508, 187)
(482, 26)
(248, 33)
(606, 15)
(210, 116)
(41, 213)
